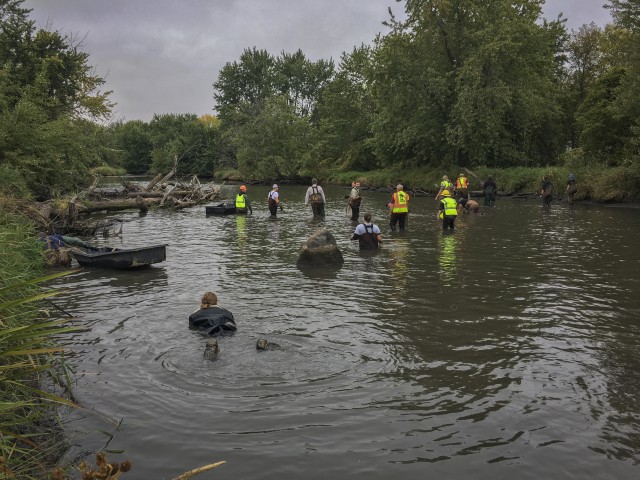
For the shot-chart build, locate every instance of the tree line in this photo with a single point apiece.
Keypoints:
(464, 83)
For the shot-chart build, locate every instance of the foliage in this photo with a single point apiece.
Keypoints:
(48, 91)
(271, 145)
(30, 441)
(344, 115)
(107, 171)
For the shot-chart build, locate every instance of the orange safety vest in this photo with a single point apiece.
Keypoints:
(462, 182)
(400, 202)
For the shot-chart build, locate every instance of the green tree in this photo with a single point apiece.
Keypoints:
(48, 92)
(467, 82)
(272, 144)
(301, 80)
(345, 114)
(243, 85)
(584, 65)
(134, 139)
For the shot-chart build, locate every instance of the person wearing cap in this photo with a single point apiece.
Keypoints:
(445, 184)
(398, 208)
(462, 185)
(274, 200)
(242, 202)
(315, 196)
(355, 200)
(448, 208)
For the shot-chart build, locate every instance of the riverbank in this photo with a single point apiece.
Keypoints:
(32, 438)
(602, 185)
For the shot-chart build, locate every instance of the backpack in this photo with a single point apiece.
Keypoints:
(315, 198)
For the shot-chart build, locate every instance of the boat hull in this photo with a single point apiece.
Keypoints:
(225, 208)
(120, 258)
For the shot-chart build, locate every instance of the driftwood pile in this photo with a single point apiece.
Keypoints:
(70, 216)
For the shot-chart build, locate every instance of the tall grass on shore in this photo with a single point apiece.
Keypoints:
(31, 365)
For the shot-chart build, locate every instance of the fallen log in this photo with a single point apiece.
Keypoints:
(158, 194)
(113, 205)
(153, 182)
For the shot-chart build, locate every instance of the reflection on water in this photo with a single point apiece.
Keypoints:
(506, 349)
(447, 245)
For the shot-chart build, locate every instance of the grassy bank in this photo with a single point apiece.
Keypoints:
(619, 184)
(30, 434)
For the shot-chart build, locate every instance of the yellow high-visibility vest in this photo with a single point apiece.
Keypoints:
(400, 200)
(450, 207)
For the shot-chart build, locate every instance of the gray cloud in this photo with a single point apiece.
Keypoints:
(162, 56)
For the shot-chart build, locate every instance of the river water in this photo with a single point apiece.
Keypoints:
(509, 349)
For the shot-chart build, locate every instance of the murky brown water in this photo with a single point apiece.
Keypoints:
(510, 349)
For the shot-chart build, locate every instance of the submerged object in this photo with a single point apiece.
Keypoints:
(224, 208)
(264, 344)
(121, 258)
(211, 349)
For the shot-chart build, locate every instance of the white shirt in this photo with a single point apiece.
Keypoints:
(310, 191)
(273, 194)
(360, 230)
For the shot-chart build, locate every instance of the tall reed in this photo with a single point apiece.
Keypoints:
(30, 362)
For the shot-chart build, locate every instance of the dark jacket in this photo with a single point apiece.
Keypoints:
(213, 320)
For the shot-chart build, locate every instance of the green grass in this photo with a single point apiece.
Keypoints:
(108, 171)
(30, 435)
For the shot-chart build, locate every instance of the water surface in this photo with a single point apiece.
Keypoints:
(510, 349)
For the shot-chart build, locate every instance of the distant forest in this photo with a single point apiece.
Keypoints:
(459, 83)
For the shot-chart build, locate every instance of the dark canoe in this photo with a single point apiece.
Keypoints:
(114, 257)
(224, 208)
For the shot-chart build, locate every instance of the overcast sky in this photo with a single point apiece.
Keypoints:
(162, 56)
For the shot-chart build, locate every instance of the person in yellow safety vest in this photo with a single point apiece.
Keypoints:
(398, 208)
(448, 210)
(445, 184)
(462, 185)
(242, 202)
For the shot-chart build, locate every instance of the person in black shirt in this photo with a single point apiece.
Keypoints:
(490, 188)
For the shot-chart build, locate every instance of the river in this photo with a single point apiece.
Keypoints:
(509, 349)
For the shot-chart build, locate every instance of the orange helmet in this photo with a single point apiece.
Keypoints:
(243, 188)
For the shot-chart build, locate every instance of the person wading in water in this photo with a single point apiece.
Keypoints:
(368, 234)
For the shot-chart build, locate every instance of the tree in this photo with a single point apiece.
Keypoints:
(604, 130)
(48, 91)
(272, 144)
(583, 67)
(244, 85)
(345, 113)
(467, 81)
(301, 81)
(134, 139)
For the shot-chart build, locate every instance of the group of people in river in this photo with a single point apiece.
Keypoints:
(452, 199)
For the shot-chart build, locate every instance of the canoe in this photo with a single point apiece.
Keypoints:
(114, 257)
(224, 208)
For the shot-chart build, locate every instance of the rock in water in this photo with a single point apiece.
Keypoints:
(211, 349)
(264, 344)
(320, 249)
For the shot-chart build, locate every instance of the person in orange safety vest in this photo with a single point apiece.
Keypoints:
(398, 208)
(462, 185)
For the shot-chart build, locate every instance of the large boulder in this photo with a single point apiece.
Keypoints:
(319, 250)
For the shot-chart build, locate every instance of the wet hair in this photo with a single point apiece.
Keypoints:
(367, 217)
(209, 299)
